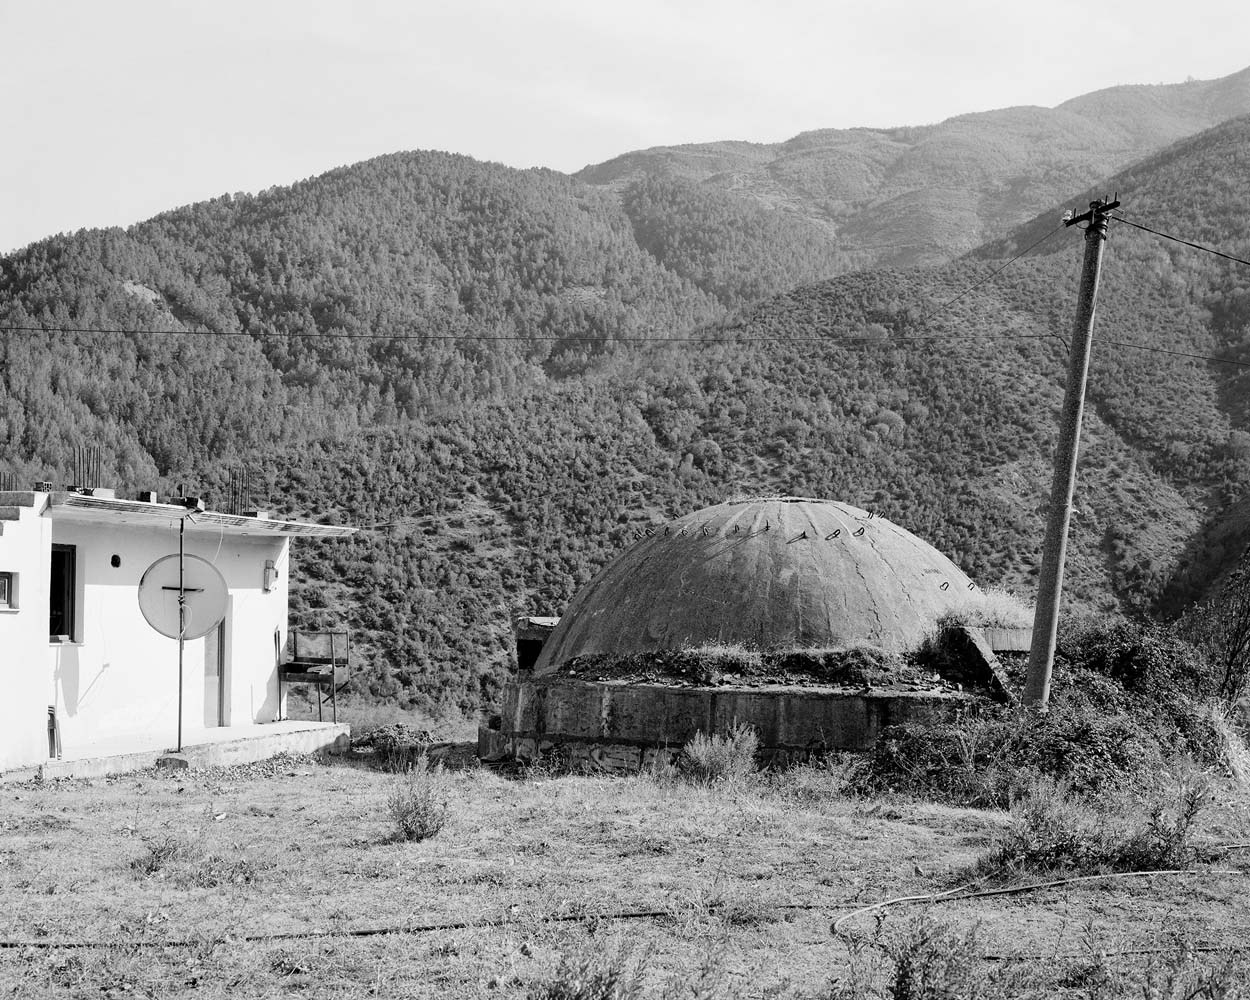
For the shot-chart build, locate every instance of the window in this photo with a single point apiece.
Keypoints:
(8, 591)
(61, 592)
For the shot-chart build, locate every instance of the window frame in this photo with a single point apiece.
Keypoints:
(8, 591)
(69, 594)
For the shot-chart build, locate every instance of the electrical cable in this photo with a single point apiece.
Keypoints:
(491, 338)
(949, 897)
(1175, 354)
(1177, 239)
(999, 270)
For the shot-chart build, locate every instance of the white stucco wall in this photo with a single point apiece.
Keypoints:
(25, 691)
(120, 677)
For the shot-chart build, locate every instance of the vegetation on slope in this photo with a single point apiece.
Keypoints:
(448, 348)
(921, 195)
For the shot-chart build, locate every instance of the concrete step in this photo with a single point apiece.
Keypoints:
(17, 498)
(10, 513)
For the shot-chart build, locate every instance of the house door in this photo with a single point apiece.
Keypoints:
(215, 677)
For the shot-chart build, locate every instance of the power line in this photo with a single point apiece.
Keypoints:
(542, 338)
(516, 338)
(1177, 354)
(999, 270)
(1177, 239)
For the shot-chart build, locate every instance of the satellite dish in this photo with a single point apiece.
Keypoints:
(205, 591)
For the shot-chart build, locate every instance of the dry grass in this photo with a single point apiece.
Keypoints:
(748, 875)
(994, 607)
(728, 757)
(420, 800)
(1052, 831)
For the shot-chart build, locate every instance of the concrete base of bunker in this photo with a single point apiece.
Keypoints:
(629, 726)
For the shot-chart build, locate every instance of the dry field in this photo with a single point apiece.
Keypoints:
(286, 879)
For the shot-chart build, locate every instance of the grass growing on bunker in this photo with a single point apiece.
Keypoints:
(994, 607)
(736, 665)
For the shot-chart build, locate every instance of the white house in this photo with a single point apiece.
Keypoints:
(79, 662)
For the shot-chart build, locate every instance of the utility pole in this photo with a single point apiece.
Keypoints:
(1050, 585)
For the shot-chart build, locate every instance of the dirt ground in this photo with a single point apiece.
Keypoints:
(286, 879)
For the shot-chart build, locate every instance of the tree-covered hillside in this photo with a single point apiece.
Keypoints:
(486, 368)
(919, 195)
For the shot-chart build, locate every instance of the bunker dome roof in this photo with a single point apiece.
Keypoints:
(770, 573)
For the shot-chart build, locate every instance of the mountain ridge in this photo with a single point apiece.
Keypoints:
(501, 366)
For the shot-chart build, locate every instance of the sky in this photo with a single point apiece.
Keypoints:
(111, 112)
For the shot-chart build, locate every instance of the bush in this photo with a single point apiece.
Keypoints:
(925, 960)
(419, 802)
(984, 759)
(1054, 832)
(591, 976)
(1127, 698)
(719, 758)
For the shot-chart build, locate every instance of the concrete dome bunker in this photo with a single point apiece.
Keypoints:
(770, 576)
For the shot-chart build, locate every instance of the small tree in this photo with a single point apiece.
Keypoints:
(1221, 627)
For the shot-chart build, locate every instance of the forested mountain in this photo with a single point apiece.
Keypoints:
(487, 367)
(854, 198)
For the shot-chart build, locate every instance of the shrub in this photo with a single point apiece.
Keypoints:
(611, 975)
(1221, 628)
(163, 852)
(719, 758)
(419, 802)
(925, 960)
(1127, 698)
(933, 962)
(983, 759)
(1053, 831)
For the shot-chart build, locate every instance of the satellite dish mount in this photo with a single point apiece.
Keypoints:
(182, 597)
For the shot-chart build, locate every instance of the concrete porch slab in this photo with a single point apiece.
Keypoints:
(219, 747)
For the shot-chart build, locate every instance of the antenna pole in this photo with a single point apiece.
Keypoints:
(182, 621)
(1050, 585)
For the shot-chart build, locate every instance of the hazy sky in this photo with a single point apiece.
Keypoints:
(114, 110)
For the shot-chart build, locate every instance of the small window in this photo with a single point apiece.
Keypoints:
(8, 592)
(61, 592)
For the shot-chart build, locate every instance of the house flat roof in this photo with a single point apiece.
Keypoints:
(80, 507)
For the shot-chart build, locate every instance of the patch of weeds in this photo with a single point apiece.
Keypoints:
(719, 758)
(610, 974)
(66, 971)
(822, 780)
(420, 801)
(213, 870)
(1177, 972)
(186, 859)
(613, 973)
(925, 960)
(164, 852)
(934, 962)
(1053, 831)
(743, 910)
(546, 765)
(284, 964)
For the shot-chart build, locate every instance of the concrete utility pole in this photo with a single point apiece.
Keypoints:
(1050, 586)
